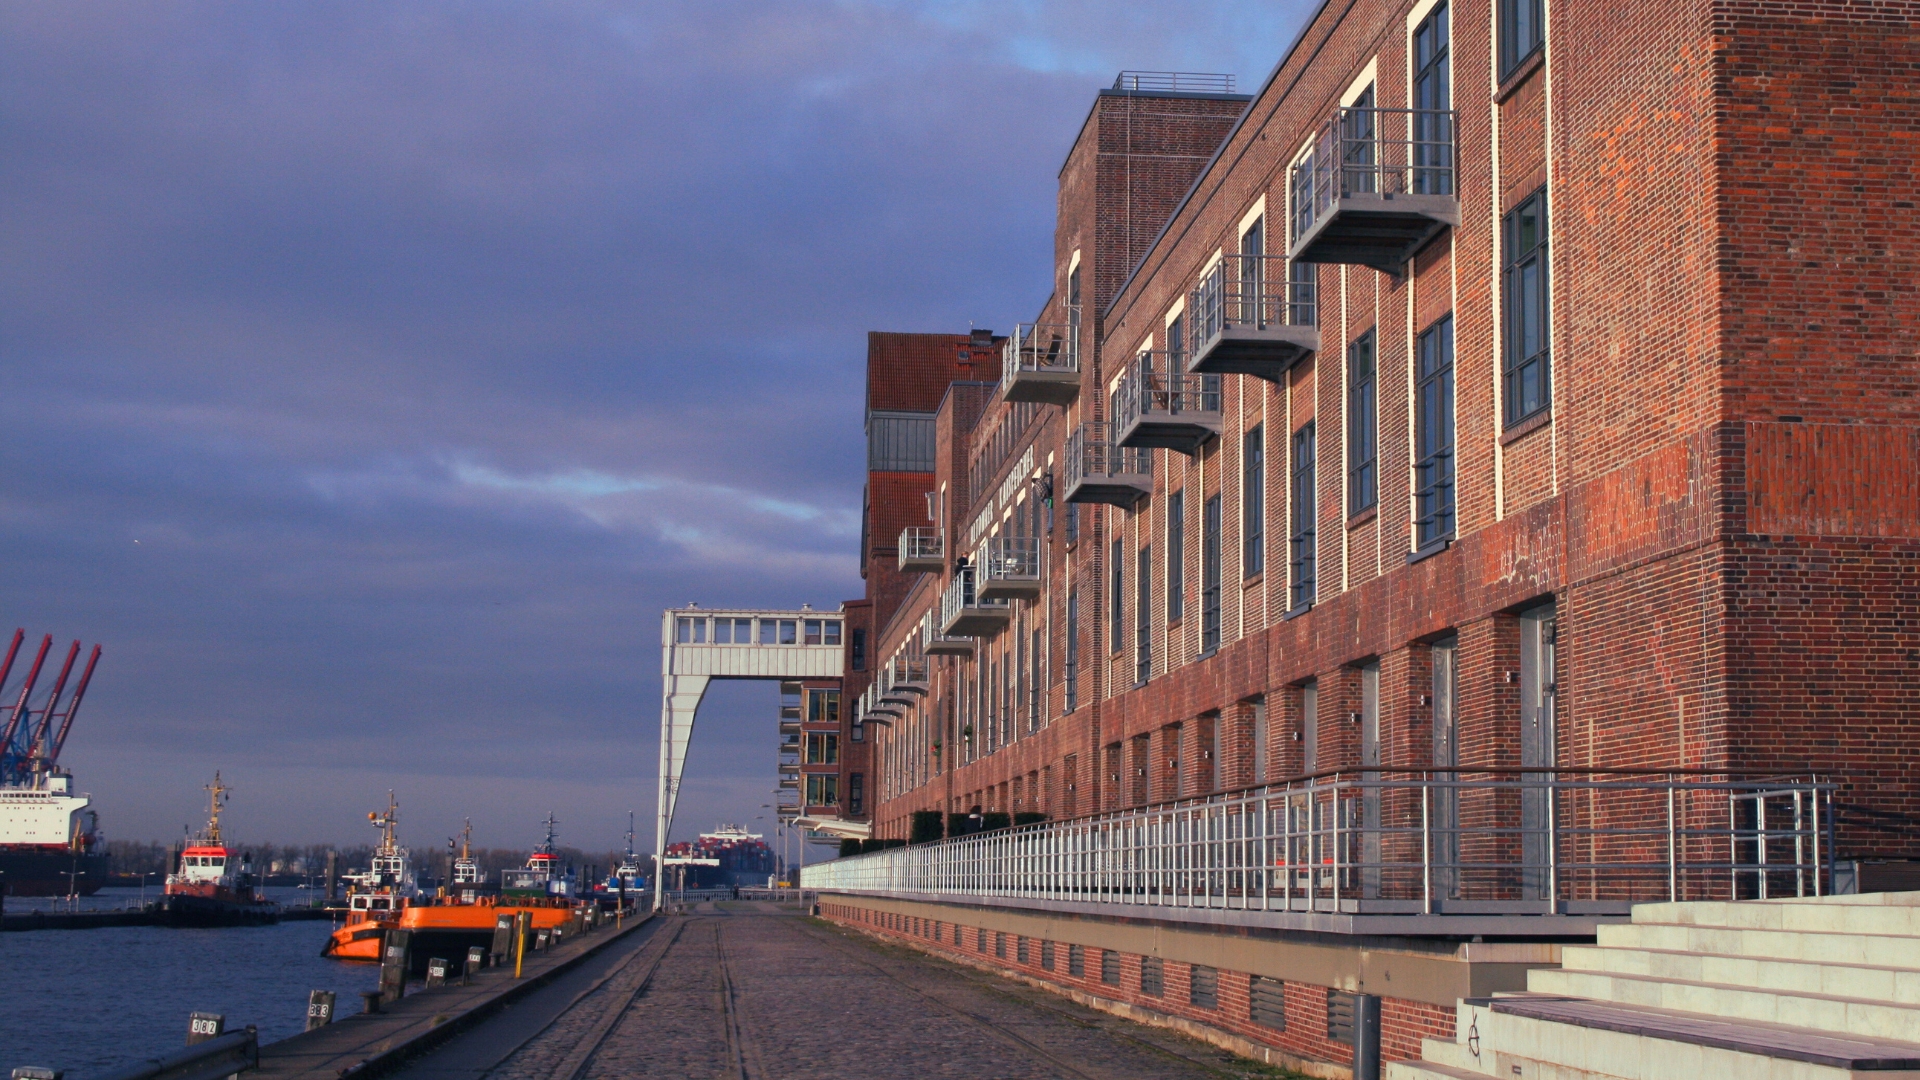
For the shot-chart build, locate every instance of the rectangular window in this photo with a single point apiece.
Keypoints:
(1109, 967)
(857, 651)
(1432, 100)
(1072, 663)
(1358, 165)
(1267, 1002)
(856, 792)
(1203, 987)
(1176, 555)
(1037, 668)
(723, 631)
(1153, 981)
(1528, 383)
(823, 706)
(823, 791)
(1116, 609)
(1077, 961)
(1253, 501)
(1177, 344)
(832, 632)
(1000, 945)
(1073, 311)
(1363, 418)
(1046, 956)
(1210, 574)
(690, 631)
(788, 631)
(1143, 622)
(1303, 280)
(813, 632)
(1260, 741)
(1523, 30)
(1073, 523)
(1433, 435)
(1301, 544)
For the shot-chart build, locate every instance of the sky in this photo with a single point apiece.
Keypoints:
(372, 374)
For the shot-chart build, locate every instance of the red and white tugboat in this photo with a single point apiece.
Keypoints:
(214, 884)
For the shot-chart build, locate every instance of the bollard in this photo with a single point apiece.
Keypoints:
(476, 956)
(540, 940)
(436, 972)
(319, 1009)
(370, 1001)
(520, 923)
(1366, 1037)
(202, 1026)
(502, 939)
(394, 959)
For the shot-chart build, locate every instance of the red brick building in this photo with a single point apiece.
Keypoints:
(1490, 402)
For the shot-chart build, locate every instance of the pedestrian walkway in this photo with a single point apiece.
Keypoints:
(750, 990)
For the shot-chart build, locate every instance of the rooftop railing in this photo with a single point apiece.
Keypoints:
(1041, 362)
(1098, 471)
(1376, 185)
(1177, 82)
(1399, 841)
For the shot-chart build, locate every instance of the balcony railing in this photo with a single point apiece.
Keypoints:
(1010, 568)
(1041, 362)
(922, 550)
(1161, 405)
(1097, 471)
(964, 613)
(1377, 185)
(1250, 318)
(906, 679)
(935, 643)
(1399, 842)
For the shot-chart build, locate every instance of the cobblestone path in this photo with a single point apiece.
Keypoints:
(751, 991)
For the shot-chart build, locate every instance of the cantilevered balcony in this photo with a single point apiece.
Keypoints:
(922, 550)
(1010, 568)
(935, 643)
(1099, 472)
(907, 675)
(1249, 318)
(964, 613)
(1041, 363)
(1377, 185)
(1163, 406)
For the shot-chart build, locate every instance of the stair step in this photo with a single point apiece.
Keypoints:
(1881, 920)
(1870, 981)
(1816, 947)
(1637, 1041)
(1850, 1015)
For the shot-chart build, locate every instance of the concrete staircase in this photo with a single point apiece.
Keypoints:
(1764, 989)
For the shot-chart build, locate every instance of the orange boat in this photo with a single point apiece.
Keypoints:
(377, 899)
(447, 926)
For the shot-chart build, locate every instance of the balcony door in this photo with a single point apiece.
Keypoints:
(1444, 802)
(1370, 781)
(1537, 747)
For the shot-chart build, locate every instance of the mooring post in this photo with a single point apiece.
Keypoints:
(393, 965)
(319, 1009)
(520, 923)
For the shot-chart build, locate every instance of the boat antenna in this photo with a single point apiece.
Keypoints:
(629, 836)
(548, 845)
(386, 822)
(466, 840)
(216, 798)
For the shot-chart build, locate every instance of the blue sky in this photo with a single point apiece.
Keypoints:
(371, 375)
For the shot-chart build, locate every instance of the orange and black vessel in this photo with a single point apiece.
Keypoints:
(376, 899)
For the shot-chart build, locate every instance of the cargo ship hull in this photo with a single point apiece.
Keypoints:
(56, 871)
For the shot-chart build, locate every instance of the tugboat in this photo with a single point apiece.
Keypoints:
(376, 898)
(466, 885)
(627, 878)
(214, 884)
(448, 926)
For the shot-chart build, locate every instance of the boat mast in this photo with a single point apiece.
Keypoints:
(386, 822)
(216, 798)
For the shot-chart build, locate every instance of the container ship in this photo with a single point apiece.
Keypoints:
(728, 856)
(50, 843)
(213, 884)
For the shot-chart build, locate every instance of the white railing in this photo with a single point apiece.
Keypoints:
(922, 544)
(1392, 841)
(1011, 559)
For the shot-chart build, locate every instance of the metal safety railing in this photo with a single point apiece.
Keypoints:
(1010, 559)
(1093, 457)
(1400, 841)
(1049, 348)
(922, 544)
(1178, 82)
(962, 599)
(1369, 151)
(1158, 389)
(1250, 292)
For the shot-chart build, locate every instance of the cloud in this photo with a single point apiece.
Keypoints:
(371, 376)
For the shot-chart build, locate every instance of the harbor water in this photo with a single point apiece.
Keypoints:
(88, 1001)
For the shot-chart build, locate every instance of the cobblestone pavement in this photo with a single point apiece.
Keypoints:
(751, 991)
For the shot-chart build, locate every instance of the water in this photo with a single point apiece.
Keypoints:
(88, 1001)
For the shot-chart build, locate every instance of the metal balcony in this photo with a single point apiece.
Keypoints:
(1250, 319)
(922, 550)
(1099, 472)
(1377, 185)
(1010, 568)
(965, 614)
(935, 643)
(1041, 363)
(1162, 406)
(907, 675)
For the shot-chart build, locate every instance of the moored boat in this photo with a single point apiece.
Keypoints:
(213, 884)
(447, 926)
(377, 898)
(50, 842)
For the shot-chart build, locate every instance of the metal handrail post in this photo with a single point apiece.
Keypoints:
(1816, 839)
(1673, 856)
(1553, 846)
(1426, 848)
(1799, 845)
